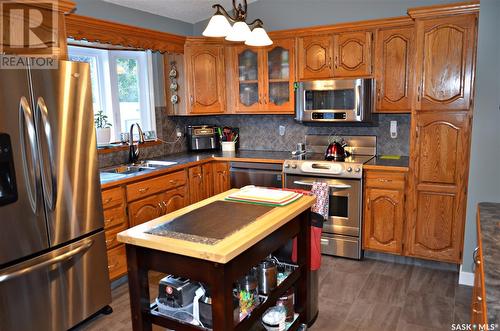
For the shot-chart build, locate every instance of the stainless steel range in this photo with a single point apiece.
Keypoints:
(342, 231)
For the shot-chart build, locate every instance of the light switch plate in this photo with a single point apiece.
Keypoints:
(394, 129)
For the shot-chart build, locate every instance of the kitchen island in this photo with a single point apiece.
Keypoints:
(219, 263)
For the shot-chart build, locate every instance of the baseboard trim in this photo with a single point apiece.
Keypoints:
(466, 278)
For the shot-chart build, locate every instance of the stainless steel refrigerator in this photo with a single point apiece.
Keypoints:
(53, 264)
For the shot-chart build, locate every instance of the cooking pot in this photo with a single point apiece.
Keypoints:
(336, 151)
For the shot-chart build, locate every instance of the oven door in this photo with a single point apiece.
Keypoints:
(344, 215)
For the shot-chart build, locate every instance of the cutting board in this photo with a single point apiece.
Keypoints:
(214, 221)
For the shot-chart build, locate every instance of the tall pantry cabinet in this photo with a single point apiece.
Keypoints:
(440, 132)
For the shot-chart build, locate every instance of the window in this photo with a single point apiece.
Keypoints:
(121, 86)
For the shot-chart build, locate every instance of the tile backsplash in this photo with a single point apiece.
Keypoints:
(261, 132)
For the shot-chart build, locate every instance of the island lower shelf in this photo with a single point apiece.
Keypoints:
(220, 277)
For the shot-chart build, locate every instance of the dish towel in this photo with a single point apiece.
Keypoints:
(319, 213)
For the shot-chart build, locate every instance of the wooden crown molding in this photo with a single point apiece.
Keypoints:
(460, 8)
(96, 30)
(349, 26)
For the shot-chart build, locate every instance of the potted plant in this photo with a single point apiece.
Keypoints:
(103, 128)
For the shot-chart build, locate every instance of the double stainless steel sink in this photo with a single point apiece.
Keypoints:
(122, 170)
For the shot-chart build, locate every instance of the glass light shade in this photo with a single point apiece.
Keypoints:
(258, 37)
(239, 32)
(217, 27)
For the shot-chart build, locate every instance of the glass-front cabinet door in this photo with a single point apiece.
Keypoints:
(248, 94)
(279, 76)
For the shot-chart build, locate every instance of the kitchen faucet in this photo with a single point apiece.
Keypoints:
(133, 154)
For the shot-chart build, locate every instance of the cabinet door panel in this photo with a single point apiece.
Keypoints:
(205, 72)
(445, 59)
(315, 57)
(145, 210)
(438, 181)
(195, 184)
(439, 145)
(393, 69)
(248, 79)
(436, 223)
(352, 52)
(383, 220)
(208, 180)
(221, 177)
(175, 199)
(279, 76)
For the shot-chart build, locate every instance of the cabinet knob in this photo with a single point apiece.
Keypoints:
(143, 190)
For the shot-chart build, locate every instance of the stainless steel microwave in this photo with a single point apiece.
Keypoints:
(337, 100)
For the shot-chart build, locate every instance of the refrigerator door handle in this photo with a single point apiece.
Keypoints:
(41, 262)
(52, 198)
(26, 123)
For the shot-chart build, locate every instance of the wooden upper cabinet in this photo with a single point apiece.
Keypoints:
(279, 76)
(205, 78)
(315, 57)
(248, 79)
(445, 56)
(394, 63)
(222, 181)
(352, 54)
(264, 77)
(437, 195)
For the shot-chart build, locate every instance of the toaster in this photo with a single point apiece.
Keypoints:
(176, 292)
(202, 138)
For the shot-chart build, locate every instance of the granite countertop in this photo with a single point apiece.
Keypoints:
(187, 159)
(489, 218)
(378, 162)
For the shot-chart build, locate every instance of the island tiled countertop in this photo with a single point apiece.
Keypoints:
(489, 218)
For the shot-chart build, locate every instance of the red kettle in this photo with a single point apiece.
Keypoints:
(336, 151)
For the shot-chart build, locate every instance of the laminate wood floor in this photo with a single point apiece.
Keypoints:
(357, 296)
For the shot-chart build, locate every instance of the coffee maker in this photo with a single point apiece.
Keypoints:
(202, 138)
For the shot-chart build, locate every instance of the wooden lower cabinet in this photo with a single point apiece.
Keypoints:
(175, 199)
(222, 181)
(145, 209)
(117, 262)
(439, 168)
(478, 305)
(201, 182)
(384, 211)
(115, 221)
(196, 187)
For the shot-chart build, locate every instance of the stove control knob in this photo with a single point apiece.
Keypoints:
(349, 169)
(287, 165)
(357, 170)
(294, 166)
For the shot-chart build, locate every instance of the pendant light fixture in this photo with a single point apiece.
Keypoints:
(252, 34)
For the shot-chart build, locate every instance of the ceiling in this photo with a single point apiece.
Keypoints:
(191, 11)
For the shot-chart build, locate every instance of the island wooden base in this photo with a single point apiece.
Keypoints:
(220, 278)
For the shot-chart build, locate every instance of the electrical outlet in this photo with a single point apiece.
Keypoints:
(178, 132)
(282, 130)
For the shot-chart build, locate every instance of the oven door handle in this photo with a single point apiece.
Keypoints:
(334, 186)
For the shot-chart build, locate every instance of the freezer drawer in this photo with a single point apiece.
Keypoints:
(56, 290)
(338, 245)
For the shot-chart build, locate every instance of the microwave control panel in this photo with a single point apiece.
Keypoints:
(329, 116)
